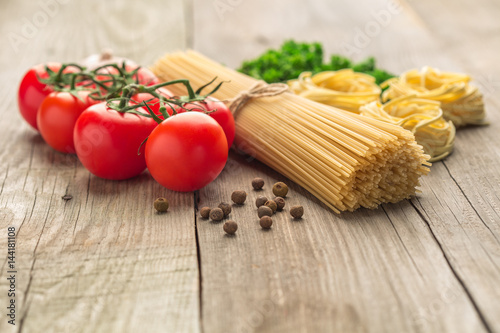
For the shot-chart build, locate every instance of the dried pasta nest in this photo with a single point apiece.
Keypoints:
(344, 89)
(424, 118)
(461, 103)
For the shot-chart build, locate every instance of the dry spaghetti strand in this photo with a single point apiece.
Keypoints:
(344, 159)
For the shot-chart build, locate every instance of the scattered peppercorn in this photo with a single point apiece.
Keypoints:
(161, 205)
(230, 227)
(257, 183)
(239, 197)
(264, 211)
(280, 189)
(67, 197)
(205, 212)
(226, 208)
(216, 214)
(261, 200)
(271, 204)
(280, 202)
(297, 211)
(266, 222)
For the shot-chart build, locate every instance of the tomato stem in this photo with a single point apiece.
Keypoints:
(117, 85)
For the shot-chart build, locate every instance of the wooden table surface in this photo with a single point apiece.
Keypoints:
(106, 262)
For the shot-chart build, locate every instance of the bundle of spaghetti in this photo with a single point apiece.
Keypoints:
(344, 89)
(424, 118)
(344, 159)
(461, 102)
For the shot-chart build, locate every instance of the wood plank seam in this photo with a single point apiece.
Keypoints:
(5, 179)
(455, 273)
(88, 190)
(470, 203)
(25, 305)
(21, 225)
(402, 242)
(196, 197)
(29, 165)
(76, 220)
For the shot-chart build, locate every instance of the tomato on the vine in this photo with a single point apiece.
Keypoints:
(186, 151)
(152, 101)
(143, 76)
(32, 92)
(107, 141)
(222, 115)
(57, 116)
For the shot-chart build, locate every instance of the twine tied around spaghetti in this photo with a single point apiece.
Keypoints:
(258, 90)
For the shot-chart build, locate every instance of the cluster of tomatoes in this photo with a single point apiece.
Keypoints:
(119, 119)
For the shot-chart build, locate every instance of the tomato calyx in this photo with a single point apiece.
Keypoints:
(126, 103)
(60, 78)
(105, 82)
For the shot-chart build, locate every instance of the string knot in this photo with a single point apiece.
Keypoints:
(258, 90)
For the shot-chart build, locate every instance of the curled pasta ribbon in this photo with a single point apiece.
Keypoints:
(424, 118)
(461, 103)
(344, 89)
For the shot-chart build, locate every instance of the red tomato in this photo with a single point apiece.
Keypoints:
(186, 151)
(223, 115)
(143, 76)
(107, 141)
(57, 116)
(32, 92)
(154, 103)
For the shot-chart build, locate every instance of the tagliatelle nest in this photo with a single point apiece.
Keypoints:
(424, 118)
(344, 89)
(461, 103)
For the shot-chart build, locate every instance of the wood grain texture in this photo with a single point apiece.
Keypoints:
(457, 214)
(366, 271)
(472, 198)
(103, 261)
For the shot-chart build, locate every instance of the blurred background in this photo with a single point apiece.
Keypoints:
(451, 35)
(232, 30)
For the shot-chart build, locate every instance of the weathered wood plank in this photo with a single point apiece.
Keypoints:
(474, 167)
(103, 261)
(365, 271)
(463, 228)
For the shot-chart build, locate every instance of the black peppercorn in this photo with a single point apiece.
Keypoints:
(216, 214)
(260, 201)
(258, 183)
(205, 212)
(161, 205)
(271, 204)
(297, 211)
(280, 202)
(230, 227)
(239, 197)
(266, 222)
(264, 210)
(226, 208)
(280, 189)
